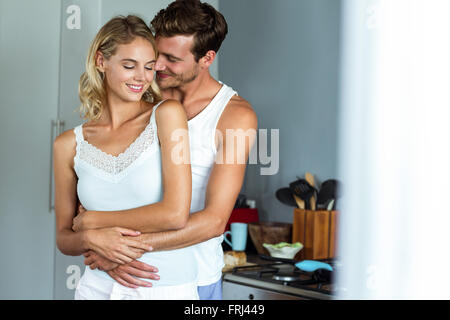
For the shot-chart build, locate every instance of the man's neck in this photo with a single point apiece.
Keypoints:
(199, 89)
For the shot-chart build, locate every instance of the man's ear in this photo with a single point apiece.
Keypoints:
(207, 59)
(100, 61)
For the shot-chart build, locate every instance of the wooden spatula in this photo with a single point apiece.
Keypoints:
(302, 190)
(310, 178)
(300, 202)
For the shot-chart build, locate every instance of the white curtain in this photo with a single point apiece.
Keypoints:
(394, 148)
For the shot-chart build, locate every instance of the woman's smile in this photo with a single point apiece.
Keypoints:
(135, 87)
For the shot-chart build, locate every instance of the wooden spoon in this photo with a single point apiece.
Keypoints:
(310, 178)
(300, 202)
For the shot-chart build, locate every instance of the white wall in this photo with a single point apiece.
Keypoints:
(283, 57)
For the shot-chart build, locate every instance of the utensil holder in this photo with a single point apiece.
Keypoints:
(316, 230)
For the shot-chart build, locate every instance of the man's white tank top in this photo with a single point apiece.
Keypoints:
(202, 129)
(130, 180)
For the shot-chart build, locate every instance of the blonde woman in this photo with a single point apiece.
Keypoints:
(120, 159)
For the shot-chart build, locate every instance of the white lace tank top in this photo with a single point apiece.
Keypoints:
(131, 179)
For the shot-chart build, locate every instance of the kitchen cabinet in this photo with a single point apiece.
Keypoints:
(80, 21)
(29, 69)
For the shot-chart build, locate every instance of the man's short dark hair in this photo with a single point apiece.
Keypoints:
(192, 17)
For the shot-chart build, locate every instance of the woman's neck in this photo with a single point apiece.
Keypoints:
(117, 111)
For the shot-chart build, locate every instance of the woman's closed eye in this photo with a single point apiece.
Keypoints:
(132, 67)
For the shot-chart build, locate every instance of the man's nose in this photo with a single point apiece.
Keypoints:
(159, 65)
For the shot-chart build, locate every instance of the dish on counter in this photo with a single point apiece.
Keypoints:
(283, 249)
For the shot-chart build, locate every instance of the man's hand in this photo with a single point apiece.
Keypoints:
(96, 261)
(126, 274)
(79, 222)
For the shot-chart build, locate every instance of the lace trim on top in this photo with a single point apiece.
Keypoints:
(116, 164)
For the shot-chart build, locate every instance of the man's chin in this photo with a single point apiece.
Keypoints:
(164, 85)
(161, 85)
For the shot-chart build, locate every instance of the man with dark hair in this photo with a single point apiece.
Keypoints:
(191, 17)
(188, 35)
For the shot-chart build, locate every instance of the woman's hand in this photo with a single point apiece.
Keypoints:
(117, 244)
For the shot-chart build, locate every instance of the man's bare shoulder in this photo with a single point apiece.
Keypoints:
(239, 104)
(238, 114)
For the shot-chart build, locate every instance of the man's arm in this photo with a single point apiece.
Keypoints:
(224, 184)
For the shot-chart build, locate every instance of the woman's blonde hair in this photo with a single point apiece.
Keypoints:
(91, 89)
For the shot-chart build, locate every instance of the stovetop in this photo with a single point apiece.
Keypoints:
(286, 278)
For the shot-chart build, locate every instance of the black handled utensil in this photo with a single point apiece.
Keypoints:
(328, 192)
(284, 195)
(303, 190)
